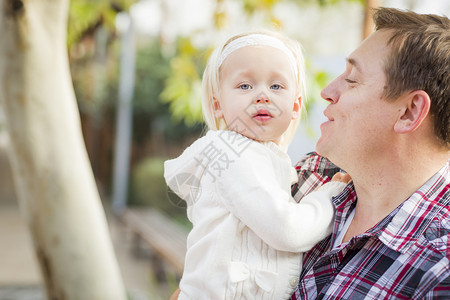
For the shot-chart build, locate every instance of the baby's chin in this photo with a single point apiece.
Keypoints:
(260, 139)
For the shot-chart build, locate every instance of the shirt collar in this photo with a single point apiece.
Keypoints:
(344, 203)
(405, 224)
(414, 215)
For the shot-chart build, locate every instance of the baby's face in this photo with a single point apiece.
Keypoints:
(258, 94)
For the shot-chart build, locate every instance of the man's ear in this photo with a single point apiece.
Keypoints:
(218, 113)
(414, 110)
(297, 108)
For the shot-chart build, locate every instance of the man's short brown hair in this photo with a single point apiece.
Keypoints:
(419, 60)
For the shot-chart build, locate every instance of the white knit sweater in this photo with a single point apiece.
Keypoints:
(248, 232)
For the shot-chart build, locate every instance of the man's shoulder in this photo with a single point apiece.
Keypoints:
(436, 194)
(437, 233)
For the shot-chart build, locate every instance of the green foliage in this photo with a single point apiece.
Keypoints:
(183, 86)
(252, 6)
(152, 69)
(151, 115)
(95, 81)
(324, 2)
(148, 185)
(152, 112)
(148, 188)
(316, 81)
(85, 15)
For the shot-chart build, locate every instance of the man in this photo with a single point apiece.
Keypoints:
(389, 127)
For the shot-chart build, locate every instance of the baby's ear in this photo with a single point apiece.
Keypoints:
(414, 109)
(297, 108)
(218, 113)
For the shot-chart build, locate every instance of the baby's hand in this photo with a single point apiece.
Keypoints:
(342, 177)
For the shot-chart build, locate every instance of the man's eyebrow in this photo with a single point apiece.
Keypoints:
(354, 63)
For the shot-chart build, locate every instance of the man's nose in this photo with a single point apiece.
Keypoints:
(331, 92)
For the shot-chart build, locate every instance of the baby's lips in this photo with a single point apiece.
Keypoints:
(263, 112)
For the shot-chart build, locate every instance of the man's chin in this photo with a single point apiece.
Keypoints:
(323, 151)
(320, 149)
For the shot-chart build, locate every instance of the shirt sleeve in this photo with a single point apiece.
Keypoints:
(252, 193)
(313, 170)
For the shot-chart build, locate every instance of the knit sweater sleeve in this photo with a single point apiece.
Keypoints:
(252, 193)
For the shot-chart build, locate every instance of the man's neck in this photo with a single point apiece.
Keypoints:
(384, 186)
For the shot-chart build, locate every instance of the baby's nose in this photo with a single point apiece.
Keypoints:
(262, 98)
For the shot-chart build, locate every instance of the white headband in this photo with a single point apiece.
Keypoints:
(255, 40)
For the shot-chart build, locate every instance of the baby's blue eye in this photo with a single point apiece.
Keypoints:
(275, 87)
(244, 86)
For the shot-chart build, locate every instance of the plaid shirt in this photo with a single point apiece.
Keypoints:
(313, 171)
(405, 256)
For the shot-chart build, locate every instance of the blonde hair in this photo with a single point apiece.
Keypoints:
(211, 80)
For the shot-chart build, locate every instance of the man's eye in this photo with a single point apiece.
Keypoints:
(244, 86)
(349, 81)
(275, 87)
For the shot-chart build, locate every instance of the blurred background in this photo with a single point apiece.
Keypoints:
(136, 69)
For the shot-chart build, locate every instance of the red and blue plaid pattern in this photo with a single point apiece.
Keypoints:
(404, 256)
(313, 171)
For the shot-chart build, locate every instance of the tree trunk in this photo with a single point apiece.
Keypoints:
(54, 182)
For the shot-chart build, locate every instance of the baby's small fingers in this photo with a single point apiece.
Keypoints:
(337, 176)
(346, 178)
(342, 177)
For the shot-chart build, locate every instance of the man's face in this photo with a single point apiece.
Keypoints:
(360, 121)
(258, 92)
